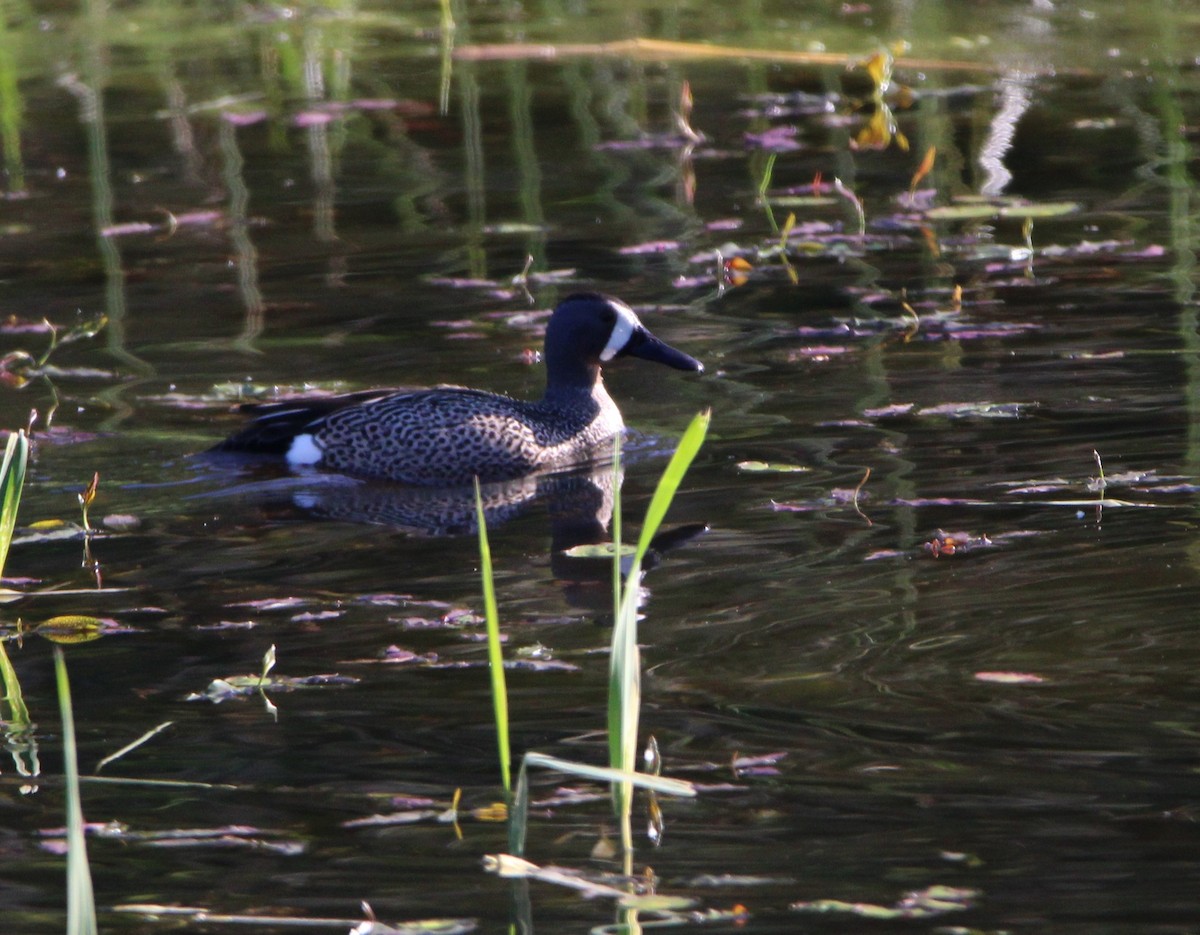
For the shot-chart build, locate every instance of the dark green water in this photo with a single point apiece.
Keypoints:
(264, 200)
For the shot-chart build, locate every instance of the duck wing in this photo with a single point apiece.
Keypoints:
(276, 424)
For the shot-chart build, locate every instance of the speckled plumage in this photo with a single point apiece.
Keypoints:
(448, 435)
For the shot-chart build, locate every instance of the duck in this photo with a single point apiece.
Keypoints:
(447, 436)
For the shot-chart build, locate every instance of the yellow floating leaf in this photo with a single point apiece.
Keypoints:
(496, 812)
(72, 628)
(970, 211)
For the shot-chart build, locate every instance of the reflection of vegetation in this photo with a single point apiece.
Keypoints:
(11, 109)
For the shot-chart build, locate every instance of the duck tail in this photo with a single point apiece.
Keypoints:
(275, 425)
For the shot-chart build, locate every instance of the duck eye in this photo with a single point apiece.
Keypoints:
(608, 316)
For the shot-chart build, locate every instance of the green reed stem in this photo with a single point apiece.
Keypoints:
(495, 657)
(624, 686)
(12, 481)
(81, 902)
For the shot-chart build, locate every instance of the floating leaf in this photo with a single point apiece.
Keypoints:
(1010, 678)
(73, 628)
(656, 902)
(920, 904)
(802, 201)
(598, 550)
(1049, 209)
(243, 686)
(771, 467)
(963, 212)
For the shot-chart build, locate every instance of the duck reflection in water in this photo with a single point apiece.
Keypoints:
(578, 501)
(407, 458)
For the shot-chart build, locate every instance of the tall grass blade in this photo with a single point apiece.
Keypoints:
(672, 477)
(495, 657)
(81, 903)
(518, 812)
(664, 784)
(616, 521)
(130, 747)
(18, 714)
(12, 480)
(624, 685)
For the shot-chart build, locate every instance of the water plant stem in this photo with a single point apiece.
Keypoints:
(495, 656)
(81, 903)
(624, 686)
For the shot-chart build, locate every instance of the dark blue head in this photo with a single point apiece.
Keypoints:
(588, 329)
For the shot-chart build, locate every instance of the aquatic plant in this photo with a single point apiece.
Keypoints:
(81, 903)
(624, 682)
(12, 481)
(495, 655)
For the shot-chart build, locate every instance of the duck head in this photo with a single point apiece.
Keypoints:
(588, 329)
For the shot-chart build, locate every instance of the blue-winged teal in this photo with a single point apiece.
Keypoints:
(448, 435)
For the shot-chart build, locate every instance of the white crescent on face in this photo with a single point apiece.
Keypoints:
(626, 323)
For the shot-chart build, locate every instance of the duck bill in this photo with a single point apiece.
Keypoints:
(644, 345)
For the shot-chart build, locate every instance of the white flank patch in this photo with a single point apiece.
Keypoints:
(304, 450)
(624, 326)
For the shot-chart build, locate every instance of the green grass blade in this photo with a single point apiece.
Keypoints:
(668, 484)
(495, 656)
(663, 784)
(18, 713)
(518, 812)
(624, 685)
(81, 903)
(12, 481)
(616, 521)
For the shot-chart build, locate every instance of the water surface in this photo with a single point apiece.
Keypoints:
(268, 200)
